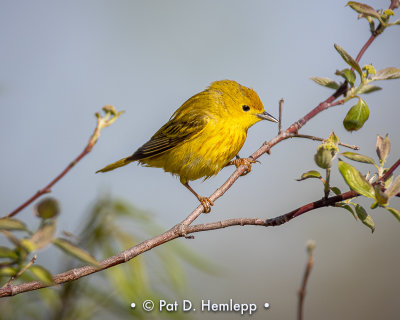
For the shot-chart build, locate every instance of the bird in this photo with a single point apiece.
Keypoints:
(203, 135)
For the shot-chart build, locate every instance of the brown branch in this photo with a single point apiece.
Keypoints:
(179, 230)
(102, 122)
(272, 222)
(184, 228)
(302, 291)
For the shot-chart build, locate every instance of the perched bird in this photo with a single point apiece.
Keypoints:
(203, 135)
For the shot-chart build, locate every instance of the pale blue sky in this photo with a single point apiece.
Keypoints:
(62, 61)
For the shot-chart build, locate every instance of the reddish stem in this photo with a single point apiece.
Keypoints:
(365, 47)
(390, 171)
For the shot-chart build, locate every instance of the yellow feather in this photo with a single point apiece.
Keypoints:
(115, 165)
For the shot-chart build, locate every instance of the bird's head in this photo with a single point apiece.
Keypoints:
(239, 104)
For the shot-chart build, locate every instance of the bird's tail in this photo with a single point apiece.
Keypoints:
(115, 165)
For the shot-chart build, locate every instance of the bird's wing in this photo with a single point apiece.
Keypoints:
(173, 133)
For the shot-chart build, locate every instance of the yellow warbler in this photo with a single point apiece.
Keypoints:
(203, 135)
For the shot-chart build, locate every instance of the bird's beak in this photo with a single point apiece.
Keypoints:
(266, 116)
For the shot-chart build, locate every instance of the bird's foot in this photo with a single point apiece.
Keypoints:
(206, 203)
(247, 162)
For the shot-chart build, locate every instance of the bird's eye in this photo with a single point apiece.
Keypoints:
(245, 108)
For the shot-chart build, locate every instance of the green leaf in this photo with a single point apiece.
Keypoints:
(326, 82)
(43, 236)
(349, 60)
(310, 174)
(382, 148)
(42, 274)
(8, 253)
(47, 208)
(335, 190)
(75, 251)
(368, 88)
(394, 212)
(8, 271)
(364, 9)
(394, 188)
(358, 157)
(11, 224)
(348, 75)
(347, 207)
(28, 245)
(355, 180)
(364, 217)
(357, 116)
(387, 74)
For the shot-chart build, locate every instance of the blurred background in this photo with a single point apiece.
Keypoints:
(62, 61)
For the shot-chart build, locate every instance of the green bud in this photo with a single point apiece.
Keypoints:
(324, 156)
(327, 151)
(47, 208)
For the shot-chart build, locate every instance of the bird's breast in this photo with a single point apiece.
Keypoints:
(207, 153)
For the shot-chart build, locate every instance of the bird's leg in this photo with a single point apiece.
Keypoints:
(206, 202)
(247, 162)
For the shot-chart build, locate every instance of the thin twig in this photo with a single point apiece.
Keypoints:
(306, 136)
(281, 102)
(102, 122)
(302, 291)
(20, 272)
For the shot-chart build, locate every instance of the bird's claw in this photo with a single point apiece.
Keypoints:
(206, 203)
(247, 162)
